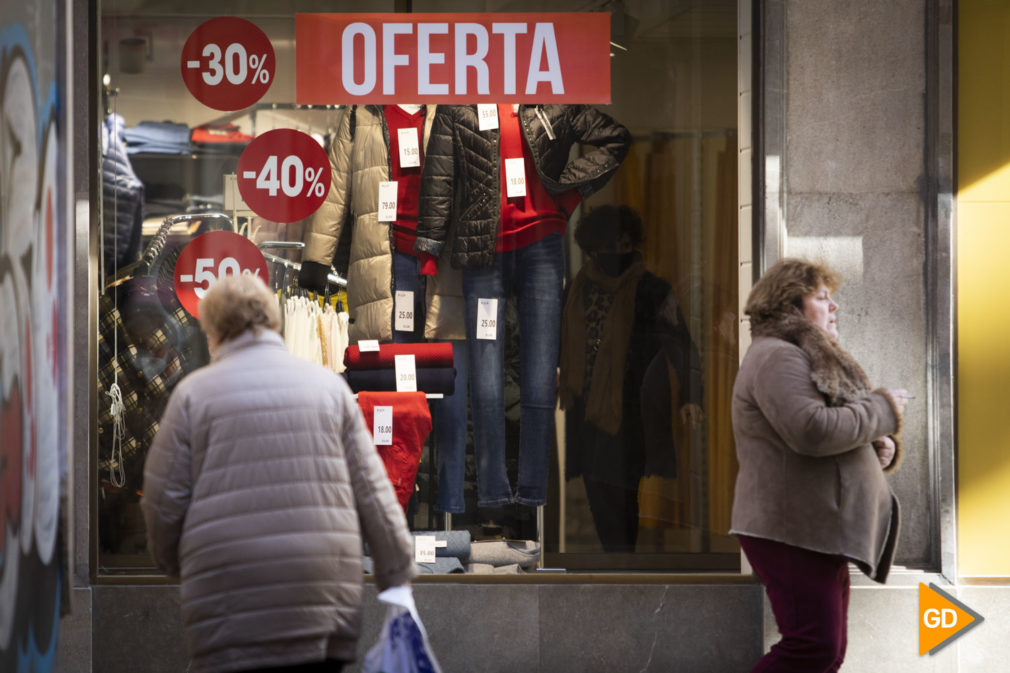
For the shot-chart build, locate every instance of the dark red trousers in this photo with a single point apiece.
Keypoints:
(809, 595)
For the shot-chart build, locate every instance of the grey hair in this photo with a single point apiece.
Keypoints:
(235, 304)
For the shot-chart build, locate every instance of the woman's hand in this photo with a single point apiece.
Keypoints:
(885, 449)
(692, 415)
(899, 398)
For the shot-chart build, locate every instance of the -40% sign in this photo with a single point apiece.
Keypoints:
(228, 63)
(284, 175)
(210, 257)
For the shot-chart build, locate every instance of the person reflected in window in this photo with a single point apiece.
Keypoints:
(258, 487)
(814, 441)
(622, 334)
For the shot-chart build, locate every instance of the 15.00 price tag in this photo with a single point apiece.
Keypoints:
(487, 319)
(382, 426)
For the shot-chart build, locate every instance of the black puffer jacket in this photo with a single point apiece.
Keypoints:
(461, 188)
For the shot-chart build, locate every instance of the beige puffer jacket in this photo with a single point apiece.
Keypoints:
(359, 159)
(258, 488)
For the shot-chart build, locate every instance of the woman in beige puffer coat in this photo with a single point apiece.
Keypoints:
(258, 488)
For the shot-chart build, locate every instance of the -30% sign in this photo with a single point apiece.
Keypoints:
(284, 175)
(209, 257)
(228, 63)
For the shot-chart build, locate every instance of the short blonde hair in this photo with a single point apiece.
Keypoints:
(238, 303)
(783, 287)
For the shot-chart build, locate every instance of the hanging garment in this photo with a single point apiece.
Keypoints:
(411, 425)
(122, 198)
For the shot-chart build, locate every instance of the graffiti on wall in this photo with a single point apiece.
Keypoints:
(33, 367)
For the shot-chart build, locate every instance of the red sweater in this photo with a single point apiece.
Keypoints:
(526, 219)
(408, 180)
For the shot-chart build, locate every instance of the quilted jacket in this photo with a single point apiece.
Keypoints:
(258, 488)
(359, 160)
(460, 204)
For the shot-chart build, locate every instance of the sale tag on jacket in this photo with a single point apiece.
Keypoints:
(403, 310)
(406, 373)
(382, 427)
(410, 150)
(487, 117)
(515, 178)
(387, 201)
(487, 319)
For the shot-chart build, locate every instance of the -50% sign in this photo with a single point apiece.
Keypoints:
(284, 175)
(209, 257)
(228, 63)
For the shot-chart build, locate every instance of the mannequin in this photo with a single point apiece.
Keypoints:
(622, 331)
(499, 185)
(386, 144)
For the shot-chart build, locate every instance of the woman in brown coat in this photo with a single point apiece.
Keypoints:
(813, 441)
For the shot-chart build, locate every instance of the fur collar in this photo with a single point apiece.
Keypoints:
(836, 374)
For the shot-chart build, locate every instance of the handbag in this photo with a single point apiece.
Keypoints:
(403, 645)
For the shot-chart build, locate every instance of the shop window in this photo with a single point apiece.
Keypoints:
(638, 469)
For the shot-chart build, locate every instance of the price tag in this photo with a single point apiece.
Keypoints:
(403, 310)
(228, 63)
(368, 345)
(515, 178)
(387, 201)
(410, 151)
(487, 319)
(487, 117)
(209, 257)
(424, 549)
(382, 426)
(284, 175)
(406, 373)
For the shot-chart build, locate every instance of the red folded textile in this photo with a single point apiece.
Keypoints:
(436, 354)
(411, 424)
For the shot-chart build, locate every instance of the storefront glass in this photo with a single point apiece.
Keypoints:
(636, 471)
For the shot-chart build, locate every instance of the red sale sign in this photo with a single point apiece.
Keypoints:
(227, 63)
(453, 58)
(284, 175)
(209, 257)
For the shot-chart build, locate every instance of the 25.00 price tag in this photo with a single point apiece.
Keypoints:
(403, 311)
(487, 319)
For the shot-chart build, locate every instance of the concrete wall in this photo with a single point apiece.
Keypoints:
(477, 628)
(853, 171)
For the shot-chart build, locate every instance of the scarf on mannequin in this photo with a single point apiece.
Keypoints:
(604, 401)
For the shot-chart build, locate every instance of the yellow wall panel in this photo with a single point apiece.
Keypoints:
(983, 288)
(983, 385)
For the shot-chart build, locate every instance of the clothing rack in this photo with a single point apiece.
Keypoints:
(333, 278)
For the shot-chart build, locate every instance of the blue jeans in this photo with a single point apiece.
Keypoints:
(448, 415)
(534, 275)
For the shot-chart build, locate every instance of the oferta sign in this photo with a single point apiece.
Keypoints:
(453, 58)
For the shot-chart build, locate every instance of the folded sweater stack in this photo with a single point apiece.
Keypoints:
(376, 370)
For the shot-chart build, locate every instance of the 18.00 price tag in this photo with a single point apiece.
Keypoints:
(382, 427)
(406, 373)
(487, 318)
(515, 178)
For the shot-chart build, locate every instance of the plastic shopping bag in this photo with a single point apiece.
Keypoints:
(403, 644)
